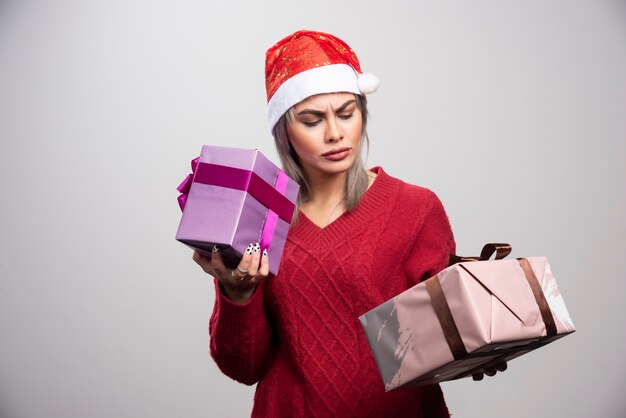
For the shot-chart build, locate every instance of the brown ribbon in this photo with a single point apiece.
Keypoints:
(450, 331)
(500, 249)
(540, 298)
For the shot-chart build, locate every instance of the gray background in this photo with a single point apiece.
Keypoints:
(512, 111)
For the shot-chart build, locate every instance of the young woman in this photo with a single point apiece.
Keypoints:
(358, 239)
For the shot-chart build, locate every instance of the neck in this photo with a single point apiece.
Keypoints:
(326, 200)
(324, 190)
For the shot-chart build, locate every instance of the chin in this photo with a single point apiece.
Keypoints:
(338, 167)
(329, 168)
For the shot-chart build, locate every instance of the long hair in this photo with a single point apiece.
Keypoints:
(356, 180)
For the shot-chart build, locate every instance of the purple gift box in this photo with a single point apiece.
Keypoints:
(235, 197)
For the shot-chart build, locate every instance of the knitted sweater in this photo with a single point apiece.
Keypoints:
(299, 336)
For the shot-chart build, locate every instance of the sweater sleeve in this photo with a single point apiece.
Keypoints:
(240, 337)
(433, 242)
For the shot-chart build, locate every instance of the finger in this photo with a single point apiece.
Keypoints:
(501, 366)
(203, 261)
(477, 377)
(217, 263)
(264, 270)
(254, 262)
(199, 258)
(246, 261)
(490, 371)
(244, 264)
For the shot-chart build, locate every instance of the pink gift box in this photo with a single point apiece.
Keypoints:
(235, 197)
(470, 316)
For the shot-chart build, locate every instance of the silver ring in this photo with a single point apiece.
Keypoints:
(243, 271)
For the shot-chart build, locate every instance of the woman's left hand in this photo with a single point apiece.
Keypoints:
(490, 371)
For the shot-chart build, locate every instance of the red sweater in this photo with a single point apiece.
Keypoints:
(299, 336)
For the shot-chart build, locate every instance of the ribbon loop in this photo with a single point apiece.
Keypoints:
(185, 186)
(501, 250)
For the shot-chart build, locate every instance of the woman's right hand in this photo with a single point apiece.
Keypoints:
(238, 284)
(489, 371)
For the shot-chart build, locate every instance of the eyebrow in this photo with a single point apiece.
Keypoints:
(321, 113)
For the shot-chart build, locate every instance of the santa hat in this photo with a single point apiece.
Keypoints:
(306, 63)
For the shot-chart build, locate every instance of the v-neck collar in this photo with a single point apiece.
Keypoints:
(379, 194)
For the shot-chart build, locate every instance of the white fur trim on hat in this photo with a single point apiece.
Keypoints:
(325, 79)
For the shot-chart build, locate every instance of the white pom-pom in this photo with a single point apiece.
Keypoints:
(368, 83)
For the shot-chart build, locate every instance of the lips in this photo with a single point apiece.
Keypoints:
(336, 151)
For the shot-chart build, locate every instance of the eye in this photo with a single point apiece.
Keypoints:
(311, 124)
(346, 116)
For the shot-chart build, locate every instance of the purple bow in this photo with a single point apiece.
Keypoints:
(184, 187)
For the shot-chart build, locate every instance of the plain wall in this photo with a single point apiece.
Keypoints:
(513, 112)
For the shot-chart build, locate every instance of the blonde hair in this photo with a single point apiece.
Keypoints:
(357, 179)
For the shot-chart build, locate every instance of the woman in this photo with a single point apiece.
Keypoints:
(358, 239)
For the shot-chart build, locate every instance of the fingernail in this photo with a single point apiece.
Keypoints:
(257, 247)
(249, 249)
(265, 252)
(215, 249)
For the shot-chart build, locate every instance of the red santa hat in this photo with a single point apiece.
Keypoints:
(306, 63)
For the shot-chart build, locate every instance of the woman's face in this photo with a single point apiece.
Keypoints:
(325, 132)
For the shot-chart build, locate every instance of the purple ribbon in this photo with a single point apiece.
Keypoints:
(185, 186)
(272, 217)
(248, 181)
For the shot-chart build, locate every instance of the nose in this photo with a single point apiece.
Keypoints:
(333, 131)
